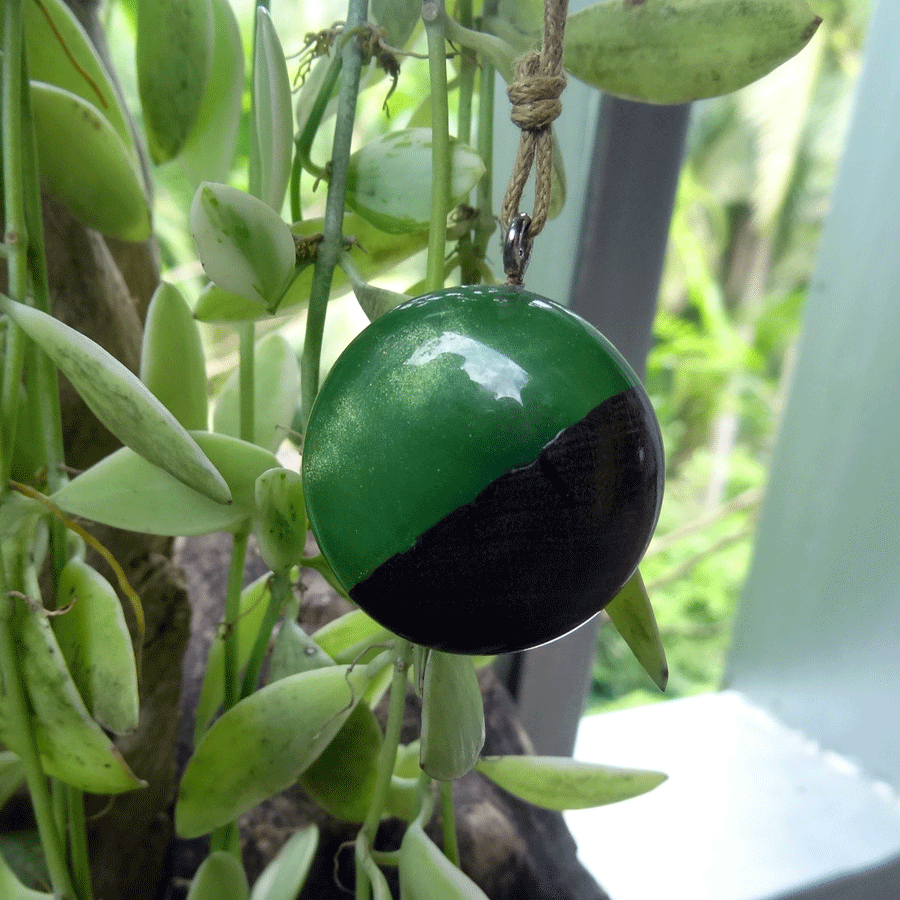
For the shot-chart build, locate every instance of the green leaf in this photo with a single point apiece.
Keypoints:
(251, 612)
(382, 252)
(72, 745)
(452, 716)
(558, 782)
(244, 246)
(272, 119)
(208, 153)
(295, 651)
(673, 51)
(220, 877)
(344, 638)
(632, 614)
(280, 522)
(174, 56)
(262, 744)
(173, 365)
(63, 55)
(125, 491)
(285, 875)
(276, 386)
(398, 18)
(12, 776)
(92, 172)
(13, 889)
(389, 179)
(342, 779)
(96, 646)
(425, 873)
(121, 402)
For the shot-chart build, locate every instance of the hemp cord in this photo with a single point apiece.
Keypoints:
(535, 94)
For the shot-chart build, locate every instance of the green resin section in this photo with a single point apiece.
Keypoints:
(435, 400)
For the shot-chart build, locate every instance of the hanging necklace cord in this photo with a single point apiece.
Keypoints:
(535, 93)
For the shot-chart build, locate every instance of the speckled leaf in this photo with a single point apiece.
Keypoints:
(673, 51)
(96, 646)
(382, 252)
(262, 744)
(220, 877)
(284, 876)
(62, 54)
(244, 246)
(252, 611)
(389, 179)
(125, 491)
(452, 716)
(559, 782)
(173, 365)
(342, 779)
(174, 55)
(272, 118)
(280, 520)
(208, 154)
(276, 394)
(632, 614)
(295, 651)
(72, 745)
(425, 873)
(119, 399)
(87, 166)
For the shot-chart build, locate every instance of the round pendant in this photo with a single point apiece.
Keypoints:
(482, 469)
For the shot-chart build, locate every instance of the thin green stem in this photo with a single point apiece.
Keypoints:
(303, 144)
(485, 225)
(467, 261)
(489, 47)
(279, 594)
(333, 240)
(247, 380)
(448, 823)
(386, 759)
(78, 848)
(232, 614)
(433, 17)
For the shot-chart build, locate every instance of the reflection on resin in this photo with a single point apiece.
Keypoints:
(487, 368)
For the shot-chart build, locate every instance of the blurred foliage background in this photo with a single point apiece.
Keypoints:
(750, 206)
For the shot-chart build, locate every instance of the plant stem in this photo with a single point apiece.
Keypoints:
(485, 225)
(433, 17)
(448, 823)
(232, 614)
(246, 380)
(467, 261)
(333, 240)
(279, 594)
(78, 848)
(386, 759)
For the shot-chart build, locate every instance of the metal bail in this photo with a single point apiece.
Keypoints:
(517, 249)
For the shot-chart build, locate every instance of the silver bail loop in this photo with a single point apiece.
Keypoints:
(517, 249)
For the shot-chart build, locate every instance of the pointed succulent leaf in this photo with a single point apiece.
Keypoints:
(174, 55)
(426, 873)
(452, 716)
(125, 491)
(13, 889)
(383, 251)
(244, 246)
(285, 875)
(220, 877)
(276, 376)
(559, 782)
(342, 779)
(344, 638)
(389, 179)
(72, 745)
(280, 521)
(120, 401)
(12, 776)
(96, 646)
(262, 744)
(173, 365)
(295, 651)
(92, 172)
(673, 51)
(61, 53)
(272, 118)
(208, 154)
(632, 614)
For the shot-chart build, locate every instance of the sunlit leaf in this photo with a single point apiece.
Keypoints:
(425, 873)
(285, 875)
(220, 877)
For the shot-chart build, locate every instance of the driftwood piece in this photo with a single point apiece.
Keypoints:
(512, 849)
